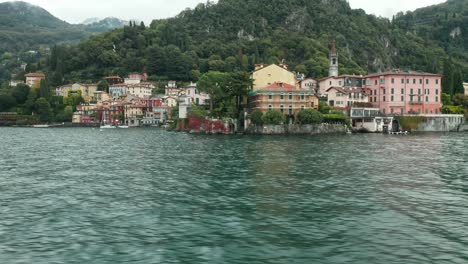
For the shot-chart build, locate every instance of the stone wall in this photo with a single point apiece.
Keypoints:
(437, 123)
(298, 129)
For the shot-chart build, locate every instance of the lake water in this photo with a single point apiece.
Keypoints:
(150, 196)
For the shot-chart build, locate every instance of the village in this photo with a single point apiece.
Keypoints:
(372, 103)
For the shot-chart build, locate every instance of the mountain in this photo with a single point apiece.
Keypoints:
(236, 34)
(445, 24)
(24, 26)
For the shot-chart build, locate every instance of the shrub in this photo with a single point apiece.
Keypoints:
(310, 116)
(256, 117)
(273, 118)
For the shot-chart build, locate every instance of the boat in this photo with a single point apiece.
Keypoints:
(124, 127)
(41, 126)
(106, 126)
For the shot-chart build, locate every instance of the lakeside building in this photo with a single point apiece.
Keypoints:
(264, 76)
(117, 90)
(405, 92)
(33, 80)
(87, 91)
(196, 97)
(344, 98)
(309, 84)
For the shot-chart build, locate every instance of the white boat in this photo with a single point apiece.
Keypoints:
(123, 127)
(106, 126)
(41, 126)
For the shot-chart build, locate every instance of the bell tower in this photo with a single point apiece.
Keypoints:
(333, 72)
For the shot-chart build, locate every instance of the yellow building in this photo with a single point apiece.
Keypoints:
(264, 76)
(87, 91)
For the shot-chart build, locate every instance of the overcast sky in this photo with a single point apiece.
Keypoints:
(147, 10)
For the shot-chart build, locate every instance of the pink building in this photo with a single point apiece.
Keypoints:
(405, 92)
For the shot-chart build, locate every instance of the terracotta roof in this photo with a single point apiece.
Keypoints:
(280, 86)
(403, 73)
(343, 76)
(35, 74)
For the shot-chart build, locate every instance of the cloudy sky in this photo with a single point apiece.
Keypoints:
(147, 10)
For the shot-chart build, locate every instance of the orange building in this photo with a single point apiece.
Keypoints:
(283, 97)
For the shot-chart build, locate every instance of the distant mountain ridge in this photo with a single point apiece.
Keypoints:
(23, 26)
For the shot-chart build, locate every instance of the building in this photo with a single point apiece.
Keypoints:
(283, 97)
(136, 78)
(343, 81)
(196, 96)
(334, 69)
(265, 76)
(14, 83)
(100, 96)
(465, 85)
(171, 89)
(345, 98)
(309, 84)
(34, 79)
(142, 90)
(405, 92)
(87, 91)
(118, 90)
(371, 120)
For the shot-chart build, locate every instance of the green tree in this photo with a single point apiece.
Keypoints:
(103, 86)
(6, 102)
(324, 108)
(447, 81)
(29, 105)
(73, 99)
(20, 93)
(43, 109)
(310, 116)
(257, 117)
(214, 83)
(44, 90)
(458, 82)
(273, 118)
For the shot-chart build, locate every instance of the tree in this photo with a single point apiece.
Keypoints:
(44, 90)
(29, 105)
(257, 117)
(447, 81)
(458, 83)
(324, 108)
(310, 116)
(273, 118)
(6, 102)
(43, 109)
(20, 93)
(103, 86)
(73, 99)
(213, 83)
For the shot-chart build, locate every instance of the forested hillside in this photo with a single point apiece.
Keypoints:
(236, 34)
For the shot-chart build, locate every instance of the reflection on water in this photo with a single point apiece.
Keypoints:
(148, 196)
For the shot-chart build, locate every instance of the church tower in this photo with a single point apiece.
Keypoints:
(333, 72)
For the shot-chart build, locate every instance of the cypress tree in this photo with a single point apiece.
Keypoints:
(458, 83)
(447, 81)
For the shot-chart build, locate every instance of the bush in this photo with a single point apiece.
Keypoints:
(310, 116)
(324, 108)
(198, 111)
(273, 118)
(451, 109)
(256, 117)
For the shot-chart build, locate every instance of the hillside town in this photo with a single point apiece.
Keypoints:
(371, 102)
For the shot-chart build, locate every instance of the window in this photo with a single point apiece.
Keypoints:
(384, 91)
(411, 98)
(407, 80)
(290, 96)
(402, 81)
(384, 98)
(282, 96)
(375, 92)
(412, 92)
(282, 108)
(428, 91)
(402, 98)
(270, 107)
(427, 99)
(302, 107)
(376, 82)
(437, 99)
(414, 81)
(437, 81)
(270, 96)
(302, 97)
(437, 91)
(427, 81)
(330, 83)
(419, 91)
(393, 80)
(393, 90)
(393, 98)
(420, 81)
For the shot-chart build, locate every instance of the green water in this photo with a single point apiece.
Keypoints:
(149, 196)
